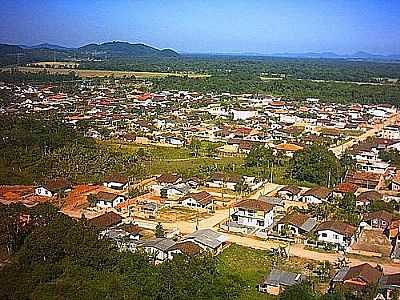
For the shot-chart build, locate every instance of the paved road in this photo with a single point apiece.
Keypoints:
(339, 150)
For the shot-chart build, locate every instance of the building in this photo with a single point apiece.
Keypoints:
(297, 224)
(290, 193)
(158, 248)
(366, 198)
(198, 200)
(336, 233)
(253, 213)
(108, 200)
(116, 182)
(316, 195)
(208, 240)
(277, 281)
(358, 278)
(106, 220)
(54, 187)
(377, 220)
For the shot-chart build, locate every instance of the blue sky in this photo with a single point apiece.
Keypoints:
(209, 25)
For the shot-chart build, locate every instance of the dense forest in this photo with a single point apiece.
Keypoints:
(295, 68)
(35, 149)
(56, 257)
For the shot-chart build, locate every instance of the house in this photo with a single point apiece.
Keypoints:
(377, 220)
(208, 240)
(336, 233)
(166, 179)
(54, 187)
(297, 224)
(290, 193)
(124, 240)
(316, 195)
(277, 203)
(288, 149)
(175, 191)
(106, 220)
(358, 278)
(388, 285)
(133, 231)
(116, 182)
(344, 188)
(253, 213)
(187, 248)
(221, 180)
(158, 248)
(108, 200)
(277, 281)
(366, 198)
(198, 200)
(367, 180)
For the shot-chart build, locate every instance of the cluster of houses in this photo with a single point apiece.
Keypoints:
(128, 237)
(118, 108)
(360, 280)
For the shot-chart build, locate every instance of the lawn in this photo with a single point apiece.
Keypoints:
(251, 265)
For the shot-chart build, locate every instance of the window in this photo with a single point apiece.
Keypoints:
(324, 234)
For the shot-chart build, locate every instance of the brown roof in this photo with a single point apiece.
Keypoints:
(219, 176)
(346, 187)
(188, 248)
(358, 177)
(106, 196)
(320, 192)
(369, 196)
(381, 214)
(365, 272)
(203, 197)
(168, 178)
(256, 205)
(338, 227)
(106, 220)
(117, 178)
(291, 189)
(295, 219)
(57, 184)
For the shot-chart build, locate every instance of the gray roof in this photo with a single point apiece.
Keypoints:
(162, 244)
(278, 277)
(207, 237)
(309, 224)
(396, 251)
(339, 276)
(271, 200)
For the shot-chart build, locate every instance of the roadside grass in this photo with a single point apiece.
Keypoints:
(251, 266)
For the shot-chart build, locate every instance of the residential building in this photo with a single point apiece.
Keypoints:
(253, 213)
(277, 281)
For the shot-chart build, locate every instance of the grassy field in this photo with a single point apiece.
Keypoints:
(103, 73)
(251, 265)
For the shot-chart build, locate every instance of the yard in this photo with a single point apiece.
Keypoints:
(251, 265)
(181, 214)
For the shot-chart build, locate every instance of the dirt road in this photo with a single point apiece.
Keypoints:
(339, 150)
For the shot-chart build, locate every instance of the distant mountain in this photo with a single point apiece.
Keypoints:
(123, 49)
(108, 50)
(49, 46)
(332, 55)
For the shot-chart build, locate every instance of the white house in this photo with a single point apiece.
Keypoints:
(117, 182)
(336, 233)
(158, 248)
(197, 200)
(108, 200)
(253, 213)
(208, 240)
(316, 195)
(391, 132)
(53, 187)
